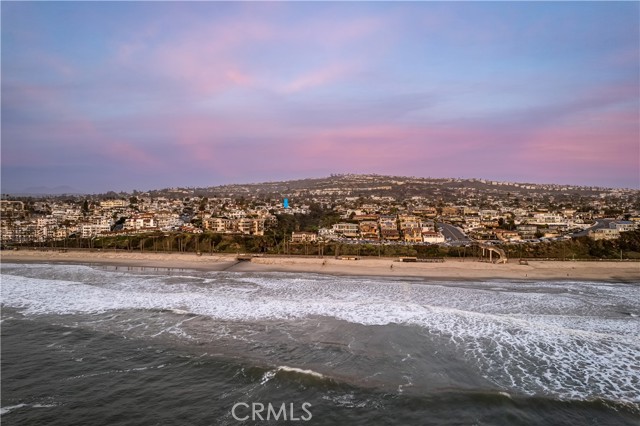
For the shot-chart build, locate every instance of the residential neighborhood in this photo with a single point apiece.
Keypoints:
(356, 209)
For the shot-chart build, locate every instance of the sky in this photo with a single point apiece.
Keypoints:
(147, 95)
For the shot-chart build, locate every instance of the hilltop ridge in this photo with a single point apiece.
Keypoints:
(375, 185)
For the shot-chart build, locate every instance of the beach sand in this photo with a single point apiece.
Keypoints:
(456, 269)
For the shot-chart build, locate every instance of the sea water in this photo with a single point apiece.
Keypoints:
(87, 344)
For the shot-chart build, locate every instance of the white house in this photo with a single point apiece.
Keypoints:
(433, 237)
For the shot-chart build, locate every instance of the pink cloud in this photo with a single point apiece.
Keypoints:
(196, 137)
(608, 143)
(202, 59)
(624, 57)
(62, 67)
(342, 32)
(83, 136)
(383, 147)
(588, 146)
(319, 77)
(127, 152)
(207, 59)
(240, 78)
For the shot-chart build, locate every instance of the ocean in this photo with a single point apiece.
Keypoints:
(106, 345)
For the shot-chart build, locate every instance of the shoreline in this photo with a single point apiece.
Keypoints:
(450, 269)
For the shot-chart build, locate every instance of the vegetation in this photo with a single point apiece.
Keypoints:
(626, 247)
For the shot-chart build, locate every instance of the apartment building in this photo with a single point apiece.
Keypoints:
(244, 225)
(219, 224)
(139, 222)
(93, 230)
(408, 221)
(167, 221)
(527, 231)
(388, 223)
(113, 204)
(250, 226)
(10, 208)
(430, 212)
(346, 229)
(304, 237)
(547, 219)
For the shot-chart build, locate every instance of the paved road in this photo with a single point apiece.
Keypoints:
(453, 233)
(600, 223)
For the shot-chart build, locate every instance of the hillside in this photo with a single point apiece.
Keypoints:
(352, 185)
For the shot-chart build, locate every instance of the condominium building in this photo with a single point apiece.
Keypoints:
(346, 229)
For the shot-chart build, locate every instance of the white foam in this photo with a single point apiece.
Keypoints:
(267, 376)
(300, 371)
(408, 384)
(5, 410)
(348, 400)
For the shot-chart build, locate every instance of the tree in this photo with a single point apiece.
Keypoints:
(203, 204)
(508, 224)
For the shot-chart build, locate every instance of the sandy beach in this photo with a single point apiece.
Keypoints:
(468, 269)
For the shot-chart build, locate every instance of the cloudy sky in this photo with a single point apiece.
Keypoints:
(126, 95)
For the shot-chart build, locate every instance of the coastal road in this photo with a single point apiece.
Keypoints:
(453, 233)
(600, 223)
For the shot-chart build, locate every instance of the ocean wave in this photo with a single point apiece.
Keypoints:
(300, 371)
(572, 340)
(10, 408)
